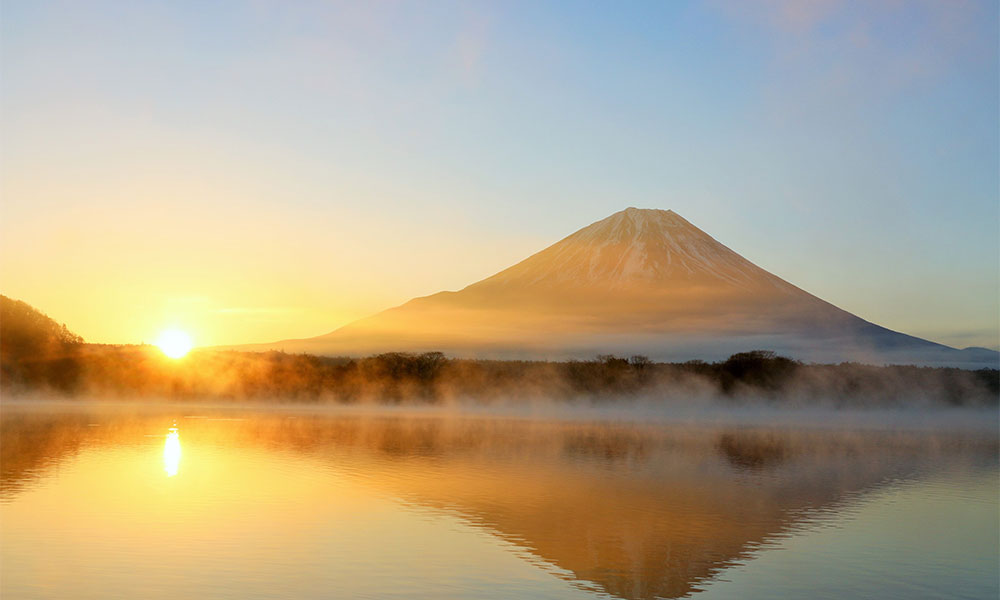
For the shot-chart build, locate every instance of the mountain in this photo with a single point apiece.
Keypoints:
(641, 281)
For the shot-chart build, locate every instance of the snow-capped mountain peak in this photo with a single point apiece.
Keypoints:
(648, 247)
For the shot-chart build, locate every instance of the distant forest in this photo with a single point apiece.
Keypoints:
(40, 356)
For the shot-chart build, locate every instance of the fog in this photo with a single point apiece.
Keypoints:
(744, 383)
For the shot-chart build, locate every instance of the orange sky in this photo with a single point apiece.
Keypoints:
(257, 172)
(118, 271)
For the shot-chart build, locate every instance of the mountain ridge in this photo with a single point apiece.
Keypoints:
(639, 281)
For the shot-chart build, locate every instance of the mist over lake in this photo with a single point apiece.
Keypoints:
(162, 501)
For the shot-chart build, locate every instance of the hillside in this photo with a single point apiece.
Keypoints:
(34, 348)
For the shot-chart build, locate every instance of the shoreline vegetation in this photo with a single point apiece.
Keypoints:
(39, 356)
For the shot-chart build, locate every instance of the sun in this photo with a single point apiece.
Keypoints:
(174, 343)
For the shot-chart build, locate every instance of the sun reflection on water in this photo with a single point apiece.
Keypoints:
(172, 452)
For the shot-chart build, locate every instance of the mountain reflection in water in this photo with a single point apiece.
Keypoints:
(631, 510)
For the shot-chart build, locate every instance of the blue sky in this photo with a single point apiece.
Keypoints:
(196, 159)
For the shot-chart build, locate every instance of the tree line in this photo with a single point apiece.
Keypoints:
(38, 355)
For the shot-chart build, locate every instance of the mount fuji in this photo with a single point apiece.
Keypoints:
(642, 281)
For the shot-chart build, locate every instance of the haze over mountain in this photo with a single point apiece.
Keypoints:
(642, 281)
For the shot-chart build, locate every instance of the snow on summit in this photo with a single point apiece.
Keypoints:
(635, 245)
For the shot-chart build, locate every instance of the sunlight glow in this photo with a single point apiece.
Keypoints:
(174, 343)
(172, 452)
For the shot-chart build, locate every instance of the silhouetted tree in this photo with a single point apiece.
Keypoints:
(760, 369)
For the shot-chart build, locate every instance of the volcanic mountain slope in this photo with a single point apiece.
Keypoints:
(640, 281)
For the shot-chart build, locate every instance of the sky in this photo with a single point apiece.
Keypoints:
(256, 171)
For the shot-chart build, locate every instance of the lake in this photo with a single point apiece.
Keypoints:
(189, 501)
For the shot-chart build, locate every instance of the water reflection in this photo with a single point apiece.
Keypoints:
(633, 511)
(172, 452)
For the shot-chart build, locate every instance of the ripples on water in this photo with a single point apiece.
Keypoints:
(185, 502)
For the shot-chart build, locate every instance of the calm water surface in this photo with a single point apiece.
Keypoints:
(188, 502)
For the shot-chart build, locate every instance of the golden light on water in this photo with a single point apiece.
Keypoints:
(172, 453)
(174, 343)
